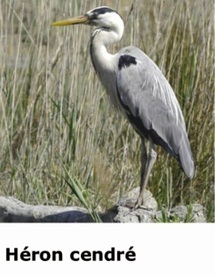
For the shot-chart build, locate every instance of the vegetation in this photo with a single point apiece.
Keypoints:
(57, 128)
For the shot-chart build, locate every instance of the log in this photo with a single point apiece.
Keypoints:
(13, 210)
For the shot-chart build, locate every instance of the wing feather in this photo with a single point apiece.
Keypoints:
(151, 106)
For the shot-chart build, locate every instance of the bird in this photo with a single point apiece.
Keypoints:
(139, 90)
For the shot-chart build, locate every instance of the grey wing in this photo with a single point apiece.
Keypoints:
(151, 105)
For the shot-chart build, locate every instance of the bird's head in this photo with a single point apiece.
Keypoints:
(102, 17)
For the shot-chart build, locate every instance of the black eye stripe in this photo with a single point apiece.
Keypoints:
(102, 10)
(94, 16)
(99, 11)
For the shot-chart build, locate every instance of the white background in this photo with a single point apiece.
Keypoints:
(160, 248)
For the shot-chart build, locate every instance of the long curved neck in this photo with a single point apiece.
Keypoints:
(105, 63)
(102, 37)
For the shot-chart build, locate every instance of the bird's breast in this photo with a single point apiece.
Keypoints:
(105, 65)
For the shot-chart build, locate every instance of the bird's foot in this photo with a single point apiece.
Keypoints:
(136, 205)
(140, 205)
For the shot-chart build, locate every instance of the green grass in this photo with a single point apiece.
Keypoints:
(54, 113)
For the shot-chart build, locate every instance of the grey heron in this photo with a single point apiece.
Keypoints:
(137, 88)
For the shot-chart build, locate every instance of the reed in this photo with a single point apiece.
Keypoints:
(54, 113)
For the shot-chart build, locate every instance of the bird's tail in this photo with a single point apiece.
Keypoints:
(185, 157)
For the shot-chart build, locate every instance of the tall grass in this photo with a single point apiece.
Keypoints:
(55, 114)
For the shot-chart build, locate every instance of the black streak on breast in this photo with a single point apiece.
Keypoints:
(126, 61)
(91, 50)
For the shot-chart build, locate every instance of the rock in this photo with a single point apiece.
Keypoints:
(131, 197)
(126, 212)
(194, 213)
(180, 211)
(13, 210)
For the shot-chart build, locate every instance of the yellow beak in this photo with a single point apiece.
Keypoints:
(83, 19)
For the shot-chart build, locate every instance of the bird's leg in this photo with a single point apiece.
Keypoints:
(147, 163)
(143, 160)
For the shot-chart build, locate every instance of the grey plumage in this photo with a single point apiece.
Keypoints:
(137, 88)
(152, 108)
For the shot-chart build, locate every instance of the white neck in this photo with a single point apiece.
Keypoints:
(104, 62)
(101, 38)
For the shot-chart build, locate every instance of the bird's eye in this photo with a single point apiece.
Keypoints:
(93, 16)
